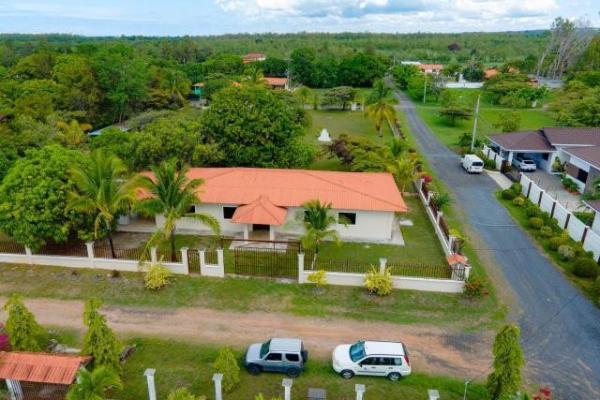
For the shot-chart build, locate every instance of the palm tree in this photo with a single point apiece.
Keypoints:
(253, 75)
(172, 194)
(72, 134)
(93, 385)
(100, 189)
(318, 221)
(404, 170)
(379, 92)
(381, 111)
(304, 93)
(397, 147)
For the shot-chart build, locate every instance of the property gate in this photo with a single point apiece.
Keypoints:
(266, 262)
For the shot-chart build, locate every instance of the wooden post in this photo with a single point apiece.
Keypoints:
(540, 199)
(529, 189)
(567, 220)
(553, 208)
(585, 232)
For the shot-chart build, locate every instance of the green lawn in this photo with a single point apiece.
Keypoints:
(250, 295)
(422, 245)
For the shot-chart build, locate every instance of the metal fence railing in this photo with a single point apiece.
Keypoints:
(11, 247)
(73, 249)
(136, 253)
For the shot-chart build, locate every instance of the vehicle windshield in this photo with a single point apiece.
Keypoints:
(264, 349)
(357, 351)
(477, 164)
(528, 161)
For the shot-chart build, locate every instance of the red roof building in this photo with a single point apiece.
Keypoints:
(254, 57)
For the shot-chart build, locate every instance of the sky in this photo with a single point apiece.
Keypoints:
(213, 17)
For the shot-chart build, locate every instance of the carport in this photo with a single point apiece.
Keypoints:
(529, 144)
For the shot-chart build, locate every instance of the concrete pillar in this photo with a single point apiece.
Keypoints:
(287, 388)
(149, 374)
(184, 260)
(433, 394)
(420, 184)
(89, 246)
(360, 391)
(246, 232)
(467, 271)
(429, 194)
(301, 268)
(220, 259)
(271, 232)
(382, 264)
(202, 254)
(29, 254)
(217, 378)
(153, 255)
(451, 240)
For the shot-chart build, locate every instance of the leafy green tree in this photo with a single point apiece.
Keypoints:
(508, 121)
(171, 194)
(319, 223)
(402, 73)
(473, 72)
(33, 198)
(114, 141)
(360, 70)
(253, 75)
(37, 98)
(273, 66)
(21, 326)
(78, 88)
(170, 88)
(99, 341)
(37, 65)
(379, 92)
(505, 380)
(215, 83)
(577, 105)
(8, 155)
(227, 364)
(339, 96)
(255, 126)
(94, 385)
(102, 190)
(453, 114)
(228, 64)
(302, 66)
(304, 94)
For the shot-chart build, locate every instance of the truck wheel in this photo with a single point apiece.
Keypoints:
(394, 376)
(347, 374)
(254, 369)
(293, 372)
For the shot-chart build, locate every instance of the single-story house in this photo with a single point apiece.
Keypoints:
(266, 203)
(595, 205)
(33, 376)
(254, 57)
(431, 68)
(576, 150)
(198, 89)
(277, 83)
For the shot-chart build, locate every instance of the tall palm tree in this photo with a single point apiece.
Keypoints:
(253, 75)
(396, 147)
(379, 92)
(101, 189)
(381, 111)
(318, 221)
(172, 194)
(73, 133)
(404, 170)
(94, 385)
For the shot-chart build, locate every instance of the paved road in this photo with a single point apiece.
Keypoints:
(560, 327)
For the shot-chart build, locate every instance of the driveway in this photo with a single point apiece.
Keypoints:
(560, 327)
(554, 187)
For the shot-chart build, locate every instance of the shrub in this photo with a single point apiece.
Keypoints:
(508, 194)
(565, 252)
(157, 277)
(555, 242)
(183, 394)
(474, 288)
(546, 231)
(519, 201)
(584, 267)
(379, 283)
(536, 222)
(227, 365)
(319, 278)
(517, 187)
(533, 211)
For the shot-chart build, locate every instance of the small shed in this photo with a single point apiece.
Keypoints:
(33, 376)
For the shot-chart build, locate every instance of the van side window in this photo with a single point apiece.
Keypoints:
(274, 357)
(397, 361)
(292, 357)
(384, 361)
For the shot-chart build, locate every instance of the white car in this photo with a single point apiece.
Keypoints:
(525, 164)
(389, 359)
(472, 164)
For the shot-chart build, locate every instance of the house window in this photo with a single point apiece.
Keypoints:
(192, 210)
(228, 212)
(347, 218)
(582, 176)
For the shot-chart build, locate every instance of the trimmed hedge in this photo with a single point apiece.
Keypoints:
(536, 223)
(584, 267)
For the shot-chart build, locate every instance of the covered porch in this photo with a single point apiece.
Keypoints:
(259, 219)
(528, 145)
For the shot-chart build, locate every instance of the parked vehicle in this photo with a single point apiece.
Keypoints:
(472, 164)
(524, 164)
(276, 355)
(388, 359)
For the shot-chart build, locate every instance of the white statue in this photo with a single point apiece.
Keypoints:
(324, 136)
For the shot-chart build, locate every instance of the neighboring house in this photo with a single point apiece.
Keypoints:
(576, 149)
(595, 205)
(39, 375)
(98, 132)
(278, 83)
(266, 203)
(198, 89)
(434, 69)
(254, 57)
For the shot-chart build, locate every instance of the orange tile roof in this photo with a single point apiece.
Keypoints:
(260, 211)
(59, 369)
(370, 191)
(432, 67)
(456, 259)
(490, 73)
(276, 81)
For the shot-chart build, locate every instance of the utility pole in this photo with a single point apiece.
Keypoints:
(475, 124)
(424, 89)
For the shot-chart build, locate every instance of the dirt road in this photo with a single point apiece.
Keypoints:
(433, 350)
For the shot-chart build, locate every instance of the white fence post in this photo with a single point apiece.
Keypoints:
(184, 260)
(438, 217)
(451, 240)
(360, 391)
(217, 378)
(153, 255)
(29, 254)
(90, 252)
(202, 254)
(467, 272)
(220, 259)
(382, 263)
(149, 373)
(301, 268)
(287, 388)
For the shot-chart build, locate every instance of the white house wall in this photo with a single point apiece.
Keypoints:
(596, 224)
(370, 225)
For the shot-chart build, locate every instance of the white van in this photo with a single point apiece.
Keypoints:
(472, 164)
(387, 359)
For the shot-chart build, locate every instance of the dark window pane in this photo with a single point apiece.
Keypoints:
(347, 218)
(228, 212)
(292, 357)
(274, 357)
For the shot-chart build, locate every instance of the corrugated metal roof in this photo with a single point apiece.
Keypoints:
(59, 369)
